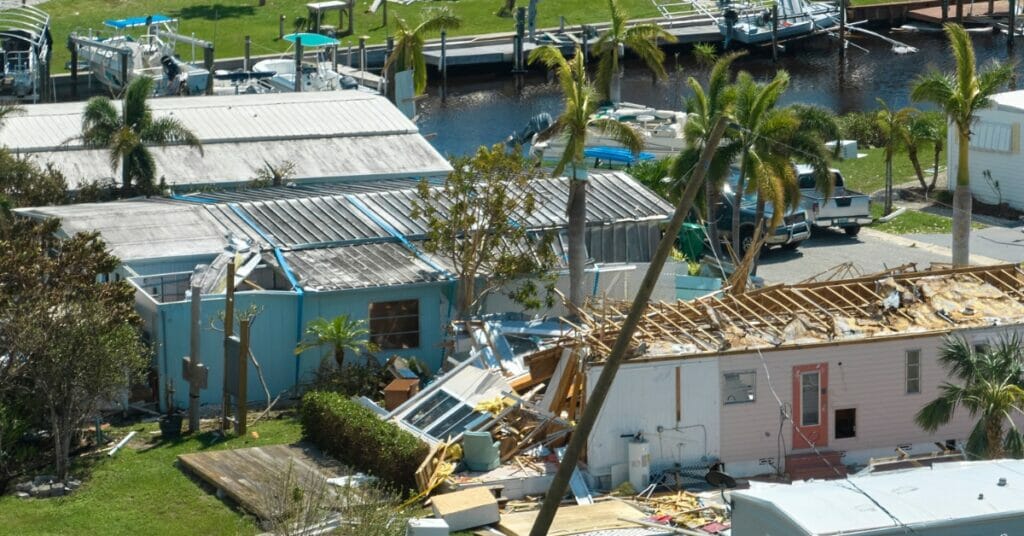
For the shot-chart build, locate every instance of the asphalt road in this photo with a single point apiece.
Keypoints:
(1003, 243)
(871, 251)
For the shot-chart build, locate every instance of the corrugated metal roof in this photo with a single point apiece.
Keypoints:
(298, 222)
(363, 266)
(945, 493)
(297, 191)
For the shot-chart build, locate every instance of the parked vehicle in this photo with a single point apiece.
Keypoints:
(794, 229)
(845, 209)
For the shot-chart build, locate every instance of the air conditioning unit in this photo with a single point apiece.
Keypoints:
(427, 527)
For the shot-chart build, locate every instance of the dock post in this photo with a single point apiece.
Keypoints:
(123, 53)
(561, 24)
(73, 47)
(842, 30)
(389, 73)
(298, 64)
(280, 27)
(208, 65)
(960, 13)
(241, 416)
(775, 33)
(385, 5)
(518, 65)
(1012, 25)
(945, 11)
(443, 64)
(349, 61)
(362, 54)
(229, 329)
(248, 49)
(334, 57)
(194, 359)
(586, 43)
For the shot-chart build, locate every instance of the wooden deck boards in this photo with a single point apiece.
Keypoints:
(604, 515)
(241, 473)
(971, 10)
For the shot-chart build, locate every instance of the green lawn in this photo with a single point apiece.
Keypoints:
(227, 22)
(141, 491)
(915, 222)
(867, 174)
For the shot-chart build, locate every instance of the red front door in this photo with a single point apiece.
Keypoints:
(810, 406)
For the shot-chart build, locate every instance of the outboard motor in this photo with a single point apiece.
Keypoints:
(171, 69)
(348, 82)
(538, 123)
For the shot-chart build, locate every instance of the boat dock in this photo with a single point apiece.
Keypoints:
(976, 12)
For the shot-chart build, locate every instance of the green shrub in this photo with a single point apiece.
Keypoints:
(357, 437)
(861, 126)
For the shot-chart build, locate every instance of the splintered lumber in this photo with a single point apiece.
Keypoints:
(606, 515)
(466, 509)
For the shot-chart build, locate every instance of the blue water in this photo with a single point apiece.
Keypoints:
(486, 108)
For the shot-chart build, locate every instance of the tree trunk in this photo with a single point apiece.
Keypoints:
(888, 182)
(560, 484)
(737, 200)
(339, 356)
(916, 162)
(464, 299)
(126, 180)
(62, 432)
(577, 212)
(994, 436)
(711, 194)
(962, 207)
(615, 91)
(758, 236)
(935, 166)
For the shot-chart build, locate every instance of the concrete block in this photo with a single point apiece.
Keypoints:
(22, 495)
(426, 527)
(466, 509)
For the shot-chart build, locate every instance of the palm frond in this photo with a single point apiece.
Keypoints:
(940, 411)
(622, 133)
(168, 130)
(100, 122)
(135, 109)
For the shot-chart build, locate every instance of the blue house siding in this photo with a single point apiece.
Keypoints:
(274, 331)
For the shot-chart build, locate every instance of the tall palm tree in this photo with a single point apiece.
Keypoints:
(340, 333)
(989, 389)
(408, 51)
(581, 101)
(894, 128)
(127, 134)
(960, 95)
(642, 39)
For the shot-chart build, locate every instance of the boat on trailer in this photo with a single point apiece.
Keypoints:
(145, 55)
(751, 23)
(25, 49)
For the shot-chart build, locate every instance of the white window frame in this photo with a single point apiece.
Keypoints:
(906, 371)
(817, 405)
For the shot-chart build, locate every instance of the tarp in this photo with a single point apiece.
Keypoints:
(134, 22)
(616, 154)
(312, 39)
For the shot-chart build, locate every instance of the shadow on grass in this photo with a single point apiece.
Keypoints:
(214, 12)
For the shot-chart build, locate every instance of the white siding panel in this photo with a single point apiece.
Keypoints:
(995, 147)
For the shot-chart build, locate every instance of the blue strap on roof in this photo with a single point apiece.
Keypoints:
(388, 228)
(616, 154)
(312, 39)
(135, 22)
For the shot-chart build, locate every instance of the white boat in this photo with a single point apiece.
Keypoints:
(25, 43)
(661, 130)
(146, 55)
(751, 24)
(316, 75)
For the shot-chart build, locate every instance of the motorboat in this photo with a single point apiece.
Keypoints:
(661, 131)
(113, 54)
(316, 75)
(25, 48)
(751, 24)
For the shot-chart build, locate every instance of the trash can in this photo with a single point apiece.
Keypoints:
(690, 241)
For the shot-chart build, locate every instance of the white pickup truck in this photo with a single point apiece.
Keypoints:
(846, 209)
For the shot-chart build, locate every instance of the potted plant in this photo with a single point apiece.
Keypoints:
(170, 423)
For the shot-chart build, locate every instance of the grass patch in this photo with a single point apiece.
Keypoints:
(142, 491)
(915, 222)
(867, 174)
(227, 22)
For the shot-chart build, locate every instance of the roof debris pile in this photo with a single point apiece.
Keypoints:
(830, 311)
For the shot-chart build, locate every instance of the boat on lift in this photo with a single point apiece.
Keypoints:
(315, 75)
(751, 23)
(146, 55)
(661, 131)
(25, 49)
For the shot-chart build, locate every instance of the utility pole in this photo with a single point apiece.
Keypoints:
(585, 425)
(192, 363)
(229, 329)
(242, 415)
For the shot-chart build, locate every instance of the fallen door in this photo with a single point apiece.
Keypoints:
(810, 406)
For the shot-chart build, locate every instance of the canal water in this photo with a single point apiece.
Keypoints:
(482, 109)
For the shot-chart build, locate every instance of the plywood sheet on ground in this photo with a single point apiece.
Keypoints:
(241, 474)
(604, 515)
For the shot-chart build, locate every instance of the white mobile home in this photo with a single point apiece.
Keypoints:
(995, 154)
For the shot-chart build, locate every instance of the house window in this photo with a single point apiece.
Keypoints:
(913, 372)
(810, 393)
(395, 325)
(738, 387)
(442, 416)
(846, 423)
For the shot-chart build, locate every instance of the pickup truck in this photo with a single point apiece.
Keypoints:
(846, 209)
(794, 229)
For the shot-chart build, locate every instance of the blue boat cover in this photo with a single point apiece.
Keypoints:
(134, 22)
(616, 154)
(312, 39)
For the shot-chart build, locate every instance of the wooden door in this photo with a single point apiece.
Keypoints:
(810, 405)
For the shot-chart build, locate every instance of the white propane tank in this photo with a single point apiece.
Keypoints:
(639, 464)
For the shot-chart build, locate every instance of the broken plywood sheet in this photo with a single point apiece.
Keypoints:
(466, 509)
(606, 515)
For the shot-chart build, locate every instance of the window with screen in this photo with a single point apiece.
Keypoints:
(395, 325)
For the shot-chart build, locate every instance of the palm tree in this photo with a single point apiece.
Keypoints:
(960, 95)
(990, 390)
(7, 110)
(341, 333)
(581, 102)
(127, 134)
(642, 39)
(894, 128)
(408, 51)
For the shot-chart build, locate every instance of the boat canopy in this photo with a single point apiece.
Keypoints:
(616, 154)
(312, 39)
(24, 23)
(135, 22)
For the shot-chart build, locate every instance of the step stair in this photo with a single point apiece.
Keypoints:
(806, 465)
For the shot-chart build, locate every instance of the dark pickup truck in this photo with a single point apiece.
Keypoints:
(795, 227)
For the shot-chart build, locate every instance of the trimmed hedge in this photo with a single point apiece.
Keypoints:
(355, 436)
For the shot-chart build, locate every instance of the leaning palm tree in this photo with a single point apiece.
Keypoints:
(127, 134)
(581, 101)
(989, 389)
(960, 95)
(894, 129)
(642, 39)
(340, 333)
(408, 51)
